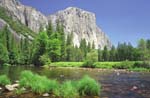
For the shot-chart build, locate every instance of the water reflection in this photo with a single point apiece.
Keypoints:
(114, 84)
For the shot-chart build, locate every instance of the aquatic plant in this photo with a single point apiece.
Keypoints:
(38, 84)
(88, 86)
(4, 80)
(67, 90)
(26, 78)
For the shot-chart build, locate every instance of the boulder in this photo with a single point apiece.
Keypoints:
(45, 95)
(10, 88)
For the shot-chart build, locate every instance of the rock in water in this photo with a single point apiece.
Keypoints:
(9, 87)
(83, 26)
(45, 95)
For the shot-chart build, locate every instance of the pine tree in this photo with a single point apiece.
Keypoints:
(93, 45)
(112, 54)
(50, 29)
(83, 47)
(100, 55)
(105, 54)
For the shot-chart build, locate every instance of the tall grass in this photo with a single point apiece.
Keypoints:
(38, 84)
(67, 90)
(4, 80)
(88, 86)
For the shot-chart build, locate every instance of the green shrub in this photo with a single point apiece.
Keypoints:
(4, 80)
(123, 65)
(68, 90)
(88, 86)
(91, 58)
(45, 60)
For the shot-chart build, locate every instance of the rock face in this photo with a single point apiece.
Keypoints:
(26, 15)
(77, 21)
(83, 26)
(15, 34)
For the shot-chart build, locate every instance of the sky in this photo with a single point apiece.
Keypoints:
(121, 20)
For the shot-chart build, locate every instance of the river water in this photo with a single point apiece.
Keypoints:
(115, 83)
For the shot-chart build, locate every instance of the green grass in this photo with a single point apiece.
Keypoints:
(88, 86)
(4, 80)
(67, 90)
(144, 66)
(67, 64)
(38, 84)
(106, 65)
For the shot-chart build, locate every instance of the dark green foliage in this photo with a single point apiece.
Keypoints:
(93, 45)
(105, 54)
(54, 49)
(88, 86)
(112, 54)
(100, 55)
(69, 47)
(4, 58)
(39, 47)
(83, 47)
(50, 29)
(4, 80)
(45, 60)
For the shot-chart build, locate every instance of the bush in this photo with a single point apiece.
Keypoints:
(123, 65)
(88, 86)
(91, 58)
(68, 90)
(45, 60)
(4, 80)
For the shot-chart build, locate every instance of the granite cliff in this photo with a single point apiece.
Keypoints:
(77, 21)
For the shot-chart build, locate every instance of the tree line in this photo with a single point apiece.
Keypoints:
(53, 45)
(125, 51)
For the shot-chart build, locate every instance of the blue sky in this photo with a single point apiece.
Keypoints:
(121, 20)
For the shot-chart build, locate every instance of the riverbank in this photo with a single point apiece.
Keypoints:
(124, 65)
(112, 81)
